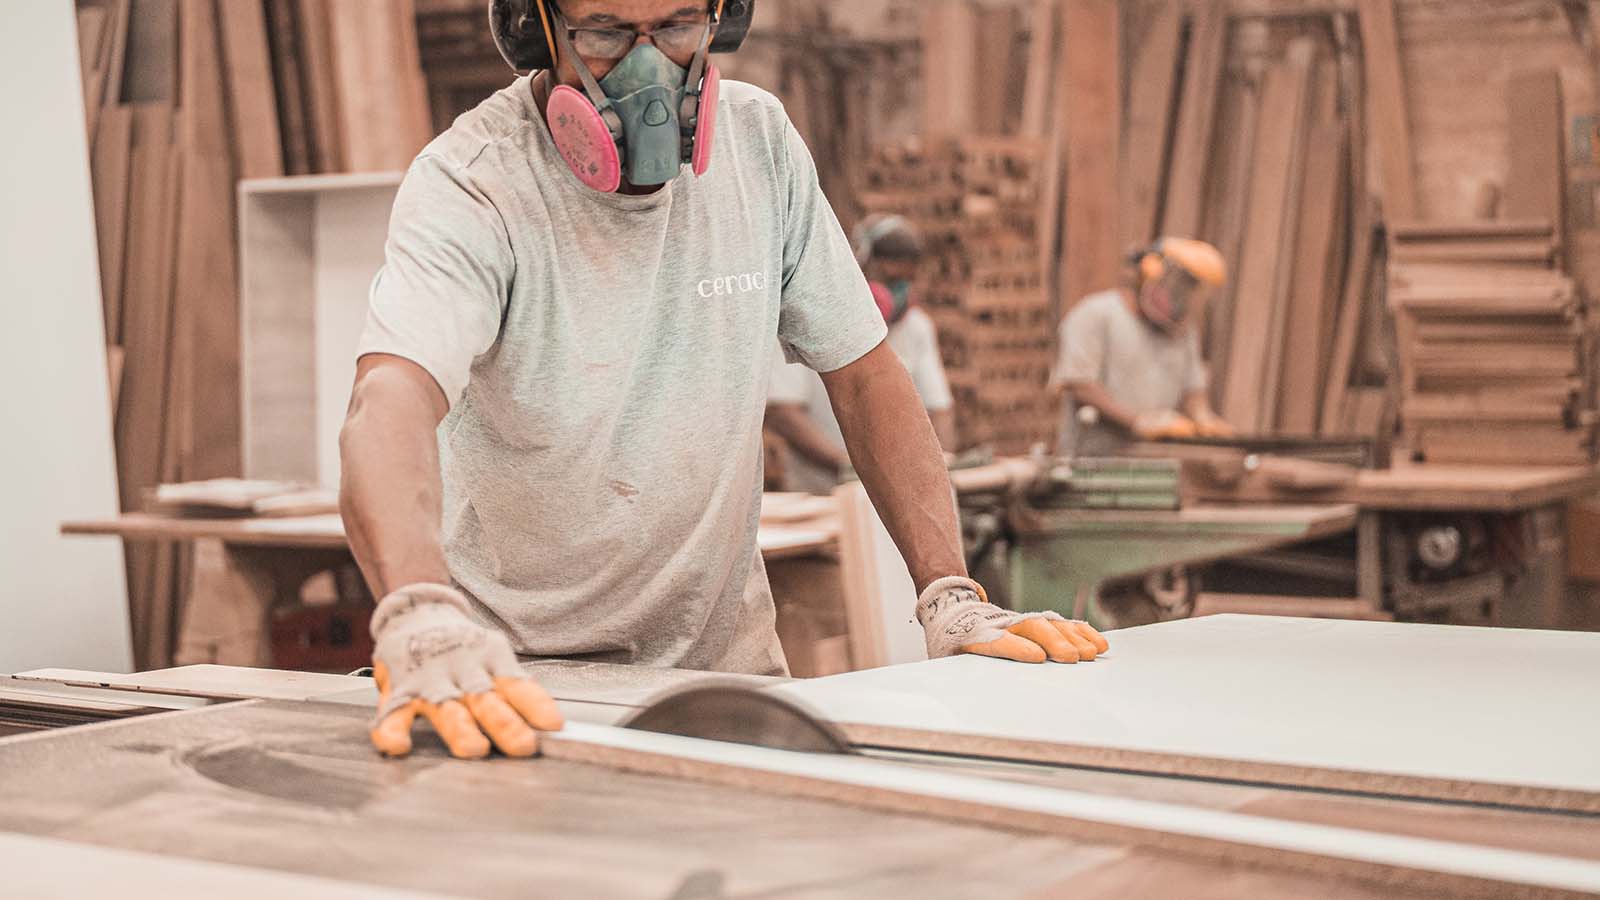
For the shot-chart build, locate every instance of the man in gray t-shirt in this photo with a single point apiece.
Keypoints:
(554, 440)
(1130, 366)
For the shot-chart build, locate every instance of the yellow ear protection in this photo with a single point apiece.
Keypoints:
(1199, 259)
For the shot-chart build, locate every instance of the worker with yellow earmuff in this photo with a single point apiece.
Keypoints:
(1130, 366)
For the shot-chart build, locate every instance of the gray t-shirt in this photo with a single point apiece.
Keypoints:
(1104, 341)
(606, 359)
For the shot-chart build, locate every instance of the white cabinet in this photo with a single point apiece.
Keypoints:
(308, 249)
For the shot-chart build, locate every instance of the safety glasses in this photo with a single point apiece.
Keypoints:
(677, 39)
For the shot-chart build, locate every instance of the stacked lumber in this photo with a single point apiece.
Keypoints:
(1495, 345)
(975, 202)
(1241, 127)
(183, 98)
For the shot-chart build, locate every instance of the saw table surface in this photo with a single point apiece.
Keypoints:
(294, 788)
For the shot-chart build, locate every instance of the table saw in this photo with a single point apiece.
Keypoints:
(185, 780)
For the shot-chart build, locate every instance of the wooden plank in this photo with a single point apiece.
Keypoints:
(1386, 107)
(252, 100)
(1302, 53)
(206, 282)
(1149, 122)
(1240, 113)
(1091, 90)
(995, 43)
(949, 69)
(284, 43)
(1038, 91)
(112, 151)
(1537, 167)
(1500, 228)
(876, 585)
(320, 81)
(1357, 283)
(382, 124)
(1260, 281)
(93, 27)
(1191, 147)
(1400, 862)
(1218, 721)
(1300, 395)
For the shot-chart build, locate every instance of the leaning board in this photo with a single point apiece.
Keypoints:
(1485, 715)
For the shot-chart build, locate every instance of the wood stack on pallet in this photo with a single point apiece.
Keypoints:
(974, 200)
(1496, 347)
(1496, 343)
(1262, 165)
(182, 99)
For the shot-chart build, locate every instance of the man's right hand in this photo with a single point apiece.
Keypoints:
(430, 658)
(1163, 424)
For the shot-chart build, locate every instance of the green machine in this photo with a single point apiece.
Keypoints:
(1067, 527)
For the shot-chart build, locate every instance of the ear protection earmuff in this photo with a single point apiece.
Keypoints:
(524, 30)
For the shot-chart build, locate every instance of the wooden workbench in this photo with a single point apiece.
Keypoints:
(243, 568)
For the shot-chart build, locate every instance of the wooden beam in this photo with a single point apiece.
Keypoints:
(1148, 142)
(1303, 53)
(950, 78)
(206, 297)
(1197, 113)
(1261, 272)
(1537, 173)
(1314, 282)
(252, 101)
(1092, 113)
(381, 123)
(1358, 281)
(1386, 108)
(1038, 90)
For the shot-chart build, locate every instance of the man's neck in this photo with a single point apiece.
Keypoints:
(541, 87)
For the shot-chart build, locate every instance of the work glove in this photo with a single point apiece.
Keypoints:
(1163, 424)
(957, 617)
(1210, 425)
(430, 658)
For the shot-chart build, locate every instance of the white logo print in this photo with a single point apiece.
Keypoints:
(729, 285)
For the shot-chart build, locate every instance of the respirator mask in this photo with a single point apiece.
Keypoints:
(893, 298)
(647, 117)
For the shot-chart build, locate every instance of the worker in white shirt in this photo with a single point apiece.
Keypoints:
(890, 253)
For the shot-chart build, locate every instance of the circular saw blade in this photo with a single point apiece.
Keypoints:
(736, 712)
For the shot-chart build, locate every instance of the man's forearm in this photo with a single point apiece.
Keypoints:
(390, 488)
(944, 427)
(898, 458)
(1090, 393)
(790, 422)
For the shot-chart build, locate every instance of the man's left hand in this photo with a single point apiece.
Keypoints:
(957, 617)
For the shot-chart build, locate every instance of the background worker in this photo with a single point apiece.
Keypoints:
(1130, 366)
(553, 446)
(890, 253)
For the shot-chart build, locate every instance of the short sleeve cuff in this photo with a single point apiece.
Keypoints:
(855, 344)
(452, 384)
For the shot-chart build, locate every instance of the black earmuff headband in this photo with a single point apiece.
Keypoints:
(524, 29)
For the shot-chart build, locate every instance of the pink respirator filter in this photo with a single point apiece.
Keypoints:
(583, 139)
(705, 128)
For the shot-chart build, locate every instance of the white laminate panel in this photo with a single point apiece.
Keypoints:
(1491, 715)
